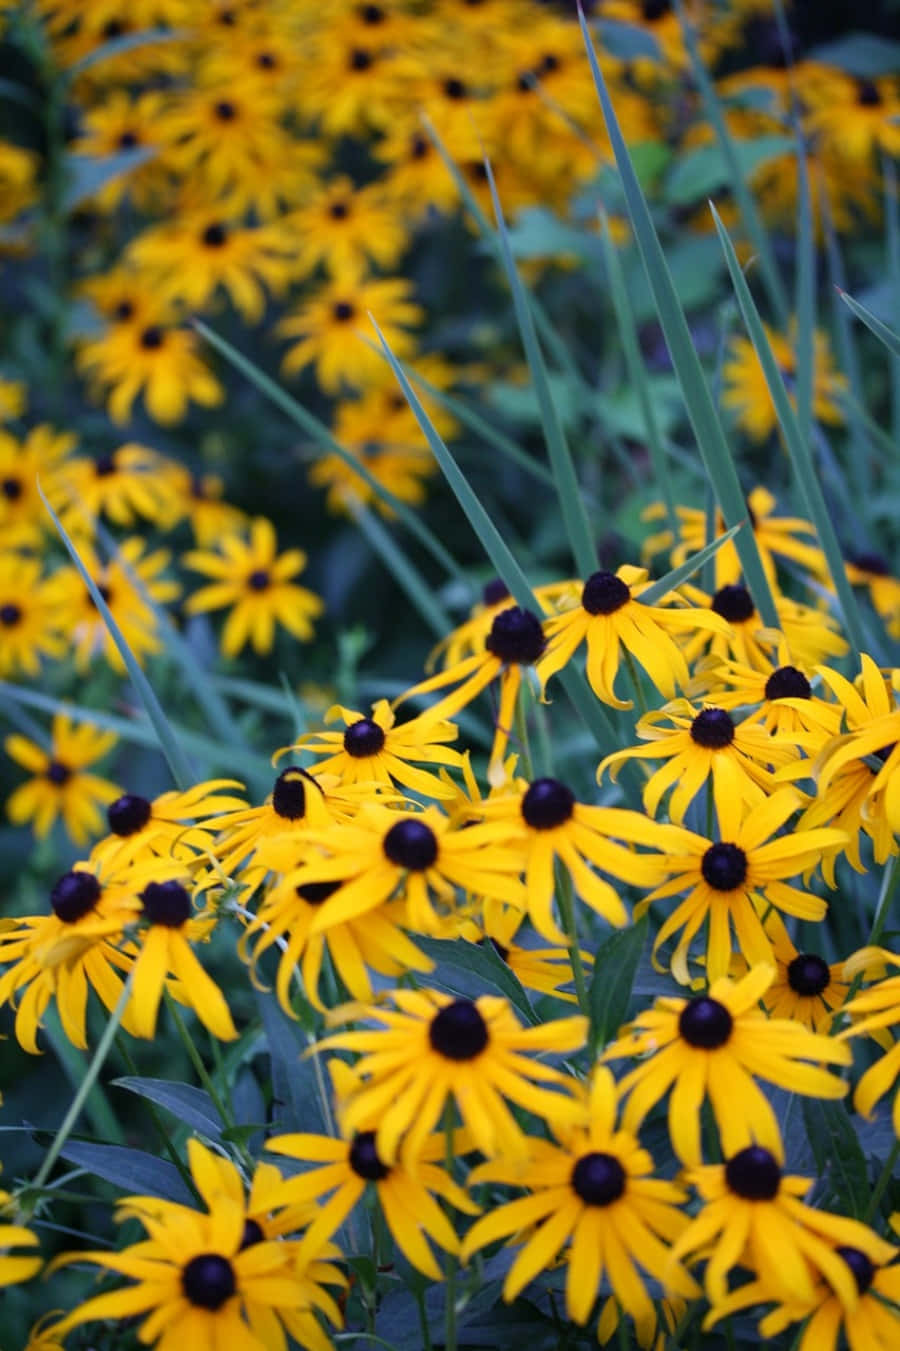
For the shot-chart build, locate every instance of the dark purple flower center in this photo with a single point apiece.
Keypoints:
(10, 615)
(788, 683)
(360, 59)
(598, 1179)
(339, 211)
(289, 794)
(214, 235)
(455, 88)
(363, 738)
(867, 95)
(724, 866)
(872, 562)
(547, 803)
(516, 636)
(258, 580)
(104, 465)
(252, 1234)
(733, 603)
(58, 773)
(604, 593)
(713, 729)
(859, 1264)
(315, 893)
(225, 111)
(342, 311)
(705, 1023)
(753, 1174)
(152, 338)
(411, 844)
(458, 1031)
(653, 10)
(11, 489)
(808, 974)
(364, 1158)
(74, 895)
(128, 814)
(494, 591)
(166, 903)
(208, 1281)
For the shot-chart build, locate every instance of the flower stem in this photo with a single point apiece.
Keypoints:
(196, 1060)
(566, 897)
(93, 1070)
(888, 887)
(884, 1178)
(450, 1264)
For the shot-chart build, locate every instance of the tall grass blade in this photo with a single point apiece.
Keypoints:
(637, 371)
(848, 356)
(805, 305)
(404, 573)
(319, 433)
(746, 203)
(168, 742)
(571, 502)
(495, 547)
(892, 240)
(884, 334)
(798, 448)
(677, 576)
(713, 446)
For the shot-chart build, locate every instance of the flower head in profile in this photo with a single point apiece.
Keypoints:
(593, 1196)
(746, 392)
(432, 1049)
(872, 1011)
(714, 1046)
(15, 1267)
(872, 570)
(753, 1217)
(213, 1277)
(127, 484)
(60, 787)
(256, 582)
(611, 618)
(278, 830)
(175, 825)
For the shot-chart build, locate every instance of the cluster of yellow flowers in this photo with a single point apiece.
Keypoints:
(356, 863)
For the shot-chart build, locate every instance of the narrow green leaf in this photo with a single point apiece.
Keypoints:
(862, 54)
(168, 742)
(615, 966)
(133, 1171)
(892, 249)
(406, 576)
(575, 519)
(838, 1153)
(701, 411)
(848, 355)
(192, 1106)
(686, 569)
(297, 1103)
(701, 172)
(118, 46)
(881, 331)
(805, 306)
(798, 448)
(87, 174)
(748, 211)
(323, 437)
(637, 372)
(494, 546)
(471, 969)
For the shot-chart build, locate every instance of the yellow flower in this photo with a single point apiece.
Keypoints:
(859, 119)
(23, 517)
(129, 482)
(14, 1267)
(872, 1011)
(872, 570)
(432, 1048)
(59, 787)
(712, 1046)
(32, 623)
(179, 826)
(13, 399)
(782, 695)
(746, 393)
(346, 230)
(248, 576)
(125, 122)
(805, 989)
(335, 332)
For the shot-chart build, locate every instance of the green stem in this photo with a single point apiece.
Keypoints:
(196, 1059)
(635, 679)
(566, 897)
(450, 1264)
(884, 1178)
(888, 887)
(520, 723)
(93, 1070)
(97, 1108)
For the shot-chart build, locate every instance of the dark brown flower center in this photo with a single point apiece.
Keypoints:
(547, 803)
(733, 603)
(225, 110)
(705, 1023)
(58, 773)
(604, 593)
(342, 311)
(458, 1031)
(215, 235)
(516, 636)
(867, 95)
(753, 1174)
(724, 866)
(252, 1234)
(411, 844)
(360, 59)
(598, 1179)
(128, 814)
(316, 893)
(808, 974)
(788, 683)
(10, 615)
(74, 895)
(166, 903)
(364, 1158)
(208, 1281)
(873, 563)
(259, 580)
(289, 794)
(859, 1264)
(152, 338)
(11, 489)
(494, 591)
(713, 729)
(363, 738)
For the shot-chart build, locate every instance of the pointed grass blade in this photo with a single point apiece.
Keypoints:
(798, 448)
(168, 742)
(677, 576)
(571, 502)
(406, 576)
(710, 436)
(805, 306)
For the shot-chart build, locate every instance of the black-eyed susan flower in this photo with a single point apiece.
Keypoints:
(350, 84)
(779, 696)
(872, 570)
(201, 500)
(23, 461)
(610, 617)
(872, 1011)
(739, 756)
(32, 626)
(406, 1197)
(806, 988)
(422, 857)
(178, 825)
(711, 1047)
(124, 485)
(71, 949)
(124, 582)
(59, 786)
(124, 121)
(469, 637)
(375, 749)
(735, 880)
(593, 1196)
(515, 640)
(872, 1324)
(15, 1267)
(753, 1217)
(745, 392)
(373, 941)
(432, 1049)
(256, 581)
(334, 330)
(211, 1277)
(299, 802)
(346, 230)
(810, 635)
(544, 970)
(860, 119)
(13, 399)
(550, 825)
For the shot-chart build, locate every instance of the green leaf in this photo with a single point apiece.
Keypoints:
(861, 54)
(136, 1173)
(686, 569)
(627, 41)
(405, 573)
(470, 969)
(193, 1106)
(120, 45)
(838, 1153)
(615, 966)
(87, 174)
(881, 331)
(699, 173)
(710, 436)
(168, 742)
(297, 1080)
